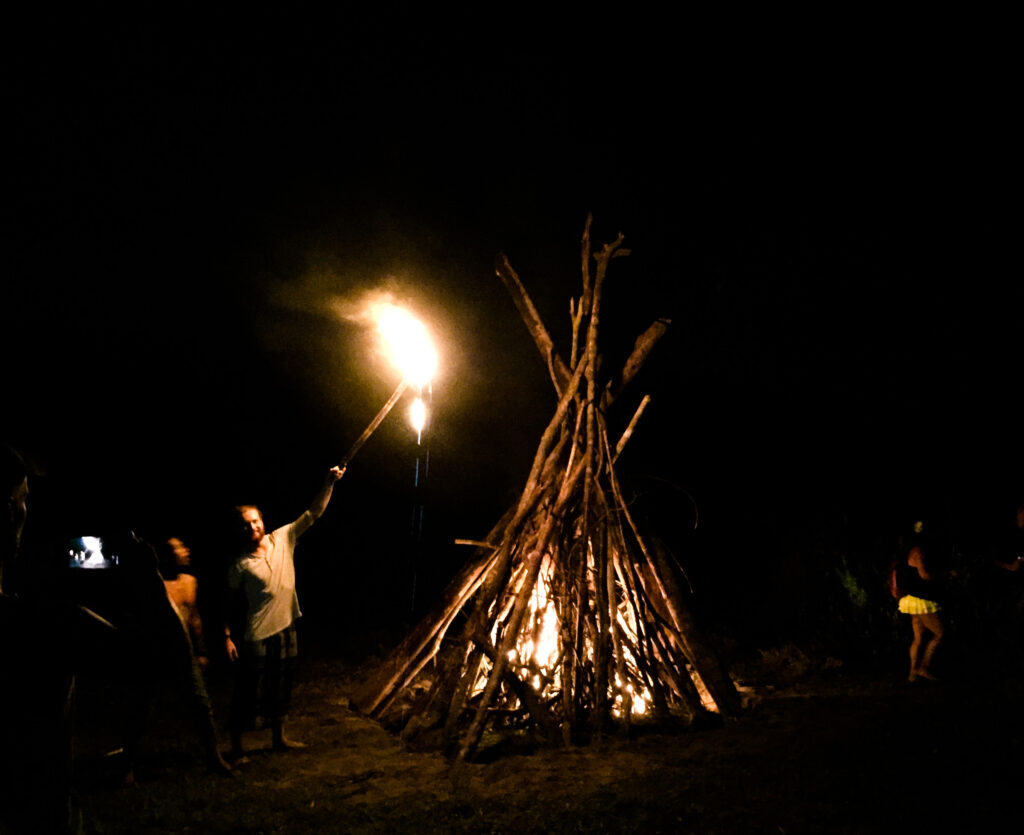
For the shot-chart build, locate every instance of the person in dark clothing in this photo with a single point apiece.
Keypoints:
(1010, 550)
(42, 639)
(1008, 592)
(920, 593)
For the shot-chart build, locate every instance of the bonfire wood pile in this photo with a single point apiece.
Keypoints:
(567, 619)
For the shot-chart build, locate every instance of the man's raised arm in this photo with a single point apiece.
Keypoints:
(319, 503)
(321, 499)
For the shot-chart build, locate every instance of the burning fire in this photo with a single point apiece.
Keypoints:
(409, 348)
(538, 650)
(418, 415)
(407, 343)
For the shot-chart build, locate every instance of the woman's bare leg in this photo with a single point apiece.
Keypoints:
(933, 623)
(915, 645)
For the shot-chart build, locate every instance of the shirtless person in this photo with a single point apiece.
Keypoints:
(159, 649)
(183, 591)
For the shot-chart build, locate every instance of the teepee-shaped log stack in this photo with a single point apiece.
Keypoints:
(567, 617)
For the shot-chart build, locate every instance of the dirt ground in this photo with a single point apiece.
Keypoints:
(836, 752)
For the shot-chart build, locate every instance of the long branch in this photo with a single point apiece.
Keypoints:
(534, 324)
(642, 348)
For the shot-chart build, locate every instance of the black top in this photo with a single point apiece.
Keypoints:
(909, 581)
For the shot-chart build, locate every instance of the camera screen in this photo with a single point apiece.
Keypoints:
(88, 552)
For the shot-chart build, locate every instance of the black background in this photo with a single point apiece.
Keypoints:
(821, 207)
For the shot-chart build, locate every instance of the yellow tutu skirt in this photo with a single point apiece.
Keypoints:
(911, 605)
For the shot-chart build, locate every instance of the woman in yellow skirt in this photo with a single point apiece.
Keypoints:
(918, 599)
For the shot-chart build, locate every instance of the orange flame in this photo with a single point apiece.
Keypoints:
(543, 653)
(418, 415)
(407, 343)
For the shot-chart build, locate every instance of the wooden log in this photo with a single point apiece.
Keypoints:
(618, 655)
(492, 585)
(689, 697)
(624, 438)
(560, 374)
(585, 249)
(601, 647)
(650, 642)
(567, 620)
(405, 660)
(375, 688)
(472, 737)
(701, 654)
(634, 600)
(642, 348)
(452, 687)
(449, 659)
(703, 657)
(576, 315)
(483, 620)
(527, 697)
(498, 668)
(392, 672)
(460, 691)
(602, 642)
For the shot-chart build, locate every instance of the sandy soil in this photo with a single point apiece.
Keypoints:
(834, 753)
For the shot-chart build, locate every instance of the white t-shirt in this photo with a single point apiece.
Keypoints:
(268, 581)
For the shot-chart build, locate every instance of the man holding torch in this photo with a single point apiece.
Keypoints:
(263, 575)
(261, 580)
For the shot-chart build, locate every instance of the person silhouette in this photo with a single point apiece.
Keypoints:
(43, 641)
(1008, 555)
(919, 598)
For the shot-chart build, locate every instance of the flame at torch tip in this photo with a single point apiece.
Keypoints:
(407, 342)
(409, 349)
(418, 415)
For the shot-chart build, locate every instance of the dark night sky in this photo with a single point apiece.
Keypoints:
(823, 224)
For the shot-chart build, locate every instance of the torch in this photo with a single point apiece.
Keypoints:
(409, 349)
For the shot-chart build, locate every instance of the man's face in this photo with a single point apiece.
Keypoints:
(252, 523)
